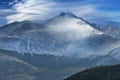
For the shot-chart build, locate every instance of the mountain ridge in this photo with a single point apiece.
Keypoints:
(65, 34)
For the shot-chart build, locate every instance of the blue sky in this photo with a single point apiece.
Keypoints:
(37, 10)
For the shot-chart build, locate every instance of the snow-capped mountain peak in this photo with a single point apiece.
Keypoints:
(65, 34)
(71, 25)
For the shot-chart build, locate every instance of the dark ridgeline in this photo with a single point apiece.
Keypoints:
(98, 73)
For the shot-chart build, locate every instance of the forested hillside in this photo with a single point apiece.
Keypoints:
(98, 73)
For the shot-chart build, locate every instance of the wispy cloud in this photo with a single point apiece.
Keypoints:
(4, 13)
(32, 10)
(43, 9)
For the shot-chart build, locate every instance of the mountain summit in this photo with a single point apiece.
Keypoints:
(72, 26)
(68, 14)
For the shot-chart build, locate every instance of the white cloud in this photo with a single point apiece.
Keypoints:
(36, 10)
(42, 9)
(6, 12)
(3, 14)
(85, 10)
(32, 10)
(92, 11)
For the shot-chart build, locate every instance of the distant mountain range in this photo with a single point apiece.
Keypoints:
(14, 66)
(63, 35)
(57, 48)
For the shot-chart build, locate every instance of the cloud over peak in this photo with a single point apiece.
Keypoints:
(37, 10)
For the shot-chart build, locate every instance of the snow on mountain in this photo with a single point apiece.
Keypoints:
(65, 34)
(112, 31)
(17, 28)
(70, 26)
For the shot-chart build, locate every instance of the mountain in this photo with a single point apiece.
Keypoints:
(17, 28)
(57, 48)
(110, 28)
(103, 22)
(98, 73)
(12, 68)
(115, 53)
(112, 31)
(37, 66)
(68, 26)
(63, 35)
